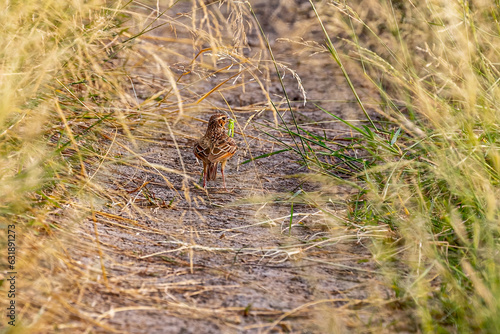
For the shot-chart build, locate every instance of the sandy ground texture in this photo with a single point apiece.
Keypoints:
(163, 255)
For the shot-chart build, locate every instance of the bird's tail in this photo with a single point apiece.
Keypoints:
(212, 171)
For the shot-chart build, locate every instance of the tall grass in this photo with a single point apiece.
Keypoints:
(432, 173)
(54, 90)
(69, 111)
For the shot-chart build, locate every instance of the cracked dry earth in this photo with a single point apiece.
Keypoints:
(179, 259)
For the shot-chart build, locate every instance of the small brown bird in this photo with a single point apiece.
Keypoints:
(214, 147)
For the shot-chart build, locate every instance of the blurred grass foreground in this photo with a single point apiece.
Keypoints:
(430, 171)
(51, 51)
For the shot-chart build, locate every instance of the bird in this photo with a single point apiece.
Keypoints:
(215, 147)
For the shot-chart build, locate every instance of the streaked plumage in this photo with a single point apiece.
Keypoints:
(215, 147)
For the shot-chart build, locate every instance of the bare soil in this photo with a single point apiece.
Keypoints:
(179, 259)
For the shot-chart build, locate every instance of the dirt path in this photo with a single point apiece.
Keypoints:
(222, 263)
(178, 259)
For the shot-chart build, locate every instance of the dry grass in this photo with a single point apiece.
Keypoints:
(83, 90)
(432, 173)
(88, 86)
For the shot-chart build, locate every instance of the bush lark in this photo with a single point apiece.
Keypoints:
(214, 147)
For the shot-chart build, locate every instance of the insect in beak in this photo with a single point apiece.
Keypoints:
(230, 127)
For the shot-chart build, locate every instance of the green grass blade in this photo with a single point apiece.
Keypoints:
(266, 155)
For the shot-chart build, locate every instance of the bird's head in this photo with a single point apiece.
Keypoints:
(218, 120)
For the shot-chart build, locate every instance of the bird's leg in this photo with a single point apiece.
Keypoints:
(223, 179)
(222, 173)
(205, 176)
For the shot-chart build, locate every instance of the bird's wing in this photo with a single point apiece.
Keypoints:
(222, 149)
(202, 150)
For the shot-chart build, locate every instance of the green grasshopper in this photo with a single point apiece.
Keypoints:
(230, 127)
